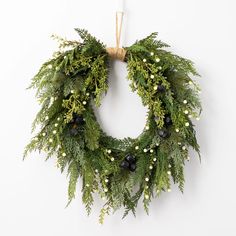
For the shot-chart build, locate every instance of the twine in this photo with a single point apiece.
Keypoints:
(117, 52)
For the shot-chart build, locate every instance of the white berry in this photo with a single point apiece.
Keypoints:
(177, 130)
(185, 101)
(63, 154)
(147, 127)
(50, 66)
(50, 140)
(106, 180)
(154, 159)
(152, 76)
(186, 112)
(146, 196)
(109, 151)
(84, 102)
(155, 87)
(145, 150)
(87, 185)
(150, 167)
(137, 147)
(72, 91)
(151, 150)
(168, 190)
(58, 118)
(44, 134)
(157, 59)
(112, 159)
(169, 172)
(186, 124)
(144, 60)
(146, 179)
(183, 148)
(105, 190)
(152, 53)
(54, 131)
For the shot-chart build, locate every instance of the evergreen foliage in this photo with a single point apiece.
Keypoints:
(76, 77)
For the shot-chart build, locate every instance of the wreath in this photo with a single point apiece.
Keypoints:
(120, 171)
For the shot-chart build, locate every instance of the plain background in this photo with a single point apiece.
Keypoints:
(33, 193)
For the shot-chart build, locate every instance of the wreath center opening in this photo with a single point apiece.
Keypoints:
(121, 113)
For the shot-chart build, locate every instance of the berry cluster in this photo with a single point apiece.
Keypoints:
(164, 133)
(75, 123)
(129, 163)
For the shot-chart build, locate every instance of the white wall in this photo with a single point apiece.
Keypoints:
(33, 193)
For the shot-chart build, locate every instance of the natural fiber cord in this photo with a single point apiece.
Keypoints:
(117, 52)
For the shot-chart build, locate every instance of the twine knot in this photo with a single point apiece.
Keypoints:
(116, 53)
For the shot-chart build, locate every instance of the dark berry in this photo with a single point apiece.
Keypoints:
(132, 167)
(161, 88)
(163, 133)
(130, 158)
(79, 120)
(168, 120)
(124, 164)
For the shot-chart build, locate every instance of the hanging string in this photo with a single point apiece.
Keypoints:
(119, 21)
(117, 52)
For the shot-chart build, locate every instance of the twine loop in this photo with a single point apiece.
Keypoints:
(117, 52)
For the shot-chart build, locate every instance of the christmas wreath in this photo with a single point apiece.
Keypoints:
(121, 171)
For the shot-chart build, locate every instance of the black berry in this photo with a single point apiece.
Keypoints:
(124, 164)
(130, 159)
(161, 88)
(168, 120)
(78, 119)
(132, 167)
(163, 133)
